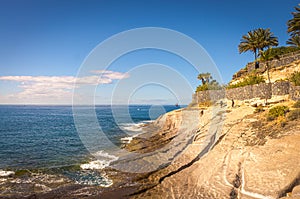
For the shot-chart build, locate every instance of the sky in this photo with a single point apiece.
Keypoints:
(45, 44)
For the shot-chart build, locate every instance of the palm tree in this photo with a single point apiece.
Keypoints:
(294, 24)
(266, 38)
(204, 77)
(294, 41)
(257, 39)
(249, 43)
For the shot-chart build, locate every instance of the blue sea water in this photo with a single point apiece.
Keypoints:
(45, 137)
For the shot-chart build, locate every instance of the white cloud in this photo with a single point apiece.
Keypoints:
(57, 89)
(110, 74)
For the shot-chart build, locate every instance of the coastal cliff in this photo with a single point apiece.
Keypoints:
(233, 154)
(210, 152)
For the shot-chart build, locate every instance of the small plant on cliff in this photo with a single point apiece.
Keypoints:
(295, 78)
(205, 104)
(213, 85)
(294, 114)
(250, 80)
(297, 104)
(277, 111)
(282, 80)
(259, 109)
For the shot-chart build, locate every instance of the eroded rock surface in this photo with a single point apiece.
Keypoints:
(226, 160)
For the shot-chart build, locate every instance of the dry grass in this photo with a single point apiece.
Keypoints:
(277, 127)
(205, 104)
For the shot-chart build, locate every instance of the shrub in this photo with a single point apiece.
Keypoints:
(203, 87)
(276, 52)
(294, 114)
(213, 85)
(250, 80)
(295, 78)
(276, 112)
(205, 104)
(259, 109)
(281, 80)
(281, 120)
(297, 104)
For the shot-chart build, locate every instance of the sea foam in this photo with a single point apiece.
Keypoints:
(103, 160)
(6, 173)
(133, 129)
(126, 140)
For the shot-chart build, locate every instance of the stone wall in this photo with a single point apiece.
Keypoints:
(204, 96)
(294, 92)
(283, 60)
(262, 91)
(281, 88)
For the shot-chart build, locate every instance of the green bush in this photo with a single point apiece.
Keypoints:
(276, 112)
(297, 104)
(213, 85)
(250, 80)
(205, 104)
(294, 114)
(295, 78)
(259, 109)
(276, 52)
(281, 80)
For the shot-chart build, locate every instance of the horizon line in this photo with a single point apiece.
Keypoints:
(89, 104)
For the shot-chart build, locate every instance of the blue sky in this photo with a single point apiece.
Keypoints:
(51, 39)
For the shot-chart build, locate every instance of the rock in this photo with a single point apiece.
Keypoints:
(254, 104)
(232, 168)
(296, 191)
(6, 173)
(291, 197)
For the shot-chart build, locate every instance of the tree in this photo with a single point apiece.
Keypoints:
(204, 77)
(265, 38)
(294, 41)
(266, 56)
(249, 43)
(294, 24)
(208, 83)
(256, 40)
(295, 78)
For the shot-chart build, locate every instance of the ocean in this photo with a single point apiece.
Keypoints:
(45, 139)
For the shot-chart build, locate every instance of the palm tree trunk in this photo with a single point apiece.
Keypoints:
(268, 72)
(269, 79)
(203, 81)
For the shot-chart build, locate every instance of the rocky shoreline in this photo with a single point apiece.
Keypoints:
(236, 158)
(204, 152)
(244, 161)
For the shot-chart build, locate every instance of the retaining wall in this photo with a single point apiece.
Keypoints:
(262, 91)
(294, 93)
(283, 60)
